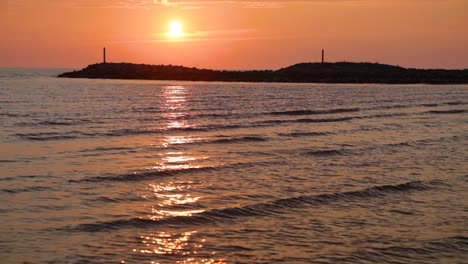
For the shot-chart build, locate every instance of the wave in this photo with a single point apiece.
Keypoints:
(151, 109)
(326, 133)
(219, 140)
(304, 120)
(228, 140)
(455, 103)
(329, 152)
(226, 115)
(105, 199)
(384, 107)
(62, 122)
(384, 115)
(322, 120)
(263, 209)
(57, 123)
(399, 106)
(451, 249)
(104, 149)
(406, 212)
(414, 143)
(26, 189)
(304, 134)
(449, 244)
(13, 101)
(316, 112)
(14, 115)
(25, 177)
(455, 111)
(145, 175)
(125, 132)
(357, 151)
(128, 132)
(43, 136)
(238, 140)
(139, 176)
(8, 161)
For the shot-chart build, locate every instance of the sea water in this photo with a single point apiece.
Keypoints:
(125, 171)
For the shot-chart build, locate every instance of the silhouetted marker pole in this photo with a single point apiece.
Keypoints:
(104, 55)
(323, 56)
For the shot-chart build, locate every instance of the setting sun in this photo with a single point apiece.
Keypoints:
(175, 29)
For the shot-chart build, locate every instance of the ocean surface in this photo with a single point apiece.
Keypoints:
(117, 171)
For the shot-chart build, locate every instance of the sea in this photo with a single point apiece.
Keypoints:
(133, 171)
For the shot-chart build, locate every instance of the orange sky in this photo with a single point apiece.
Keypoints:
(241, 34)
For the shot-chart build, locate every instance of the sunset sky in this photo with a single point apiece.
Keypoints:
(242, 34)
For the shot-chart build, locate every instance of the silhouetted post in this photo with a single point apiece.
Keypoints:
(104, 55)
(323, 56)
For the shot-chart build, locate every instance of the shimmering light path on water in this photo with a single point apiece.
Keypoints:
(104, 171)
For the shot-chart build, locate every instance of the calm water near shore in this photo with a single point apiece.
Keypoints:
(113, 171)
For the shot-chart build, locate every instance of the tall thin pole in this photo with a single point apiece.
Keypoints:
(104, 55)
(323, 56)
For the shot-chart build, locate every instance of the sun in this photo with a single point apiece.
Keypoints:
(176, 29)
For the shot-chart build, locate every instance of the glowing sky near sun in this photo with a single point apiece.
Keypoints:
(233, 34)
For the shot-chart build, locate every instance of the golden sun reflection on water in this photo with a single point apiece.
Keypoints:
(172, 194)
(178, 124)
(176, 140)
(164, 213)
(179, 161)
(174, 199)
(178, 244)
(175, 107)
(177, 158)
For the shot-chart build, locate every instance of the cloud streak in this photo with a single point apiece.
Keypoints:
(208, 35)
(187, 4)
(244, 3)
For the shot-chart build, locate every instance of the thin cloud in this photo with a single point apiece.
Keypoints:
(198, 40)
(211, 33)
(245, 3)
(207, 35)
(185, 4)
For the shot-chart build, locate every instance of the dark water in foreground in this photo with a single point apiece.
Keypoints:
(102, 171)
